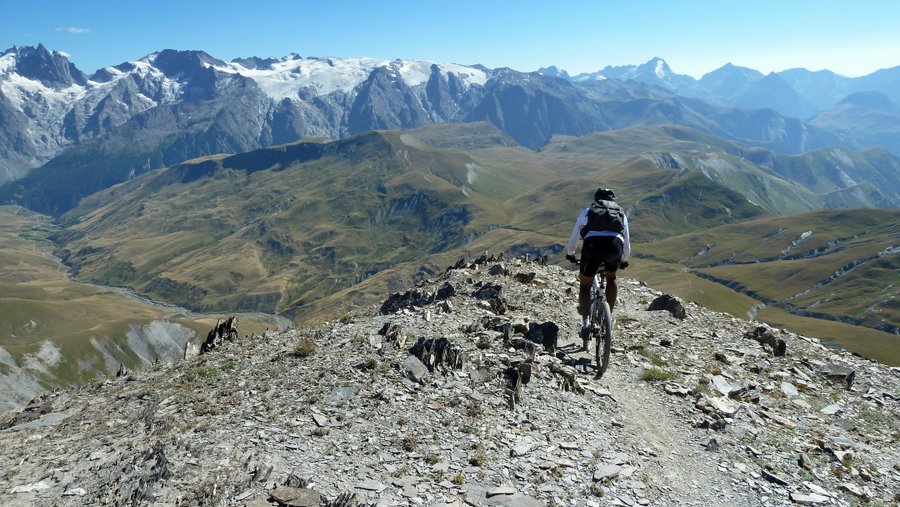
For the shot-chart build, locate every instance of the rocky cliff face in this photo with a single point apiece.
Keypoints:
(471, 389)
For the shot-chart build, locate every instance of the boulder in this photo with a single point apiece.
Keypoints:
(669, 303)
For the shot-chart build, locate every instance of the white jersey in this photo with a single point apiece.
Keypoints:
(582, 220)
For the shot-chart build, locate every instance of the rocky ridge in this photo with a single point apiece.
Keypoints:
(471, 389)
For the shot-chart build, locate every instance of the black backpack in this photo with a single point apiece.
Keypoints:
(604, 216)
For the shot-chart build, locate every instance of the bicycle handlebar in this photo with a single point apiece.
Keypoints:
(577, 261)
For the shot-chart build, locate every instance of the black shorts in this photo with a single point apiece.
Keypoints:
(600, 249)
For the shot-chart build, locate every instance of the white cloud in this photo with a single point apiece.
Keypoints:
(74, 29)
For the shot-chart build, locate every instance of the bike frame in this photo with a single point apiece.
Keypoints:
(598, 289)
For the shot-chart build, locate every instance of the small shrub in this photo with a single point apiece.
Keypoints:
(402, 420)
(304, 347)
(713, 369)
(431, 458)
(410, 443)
(202, 372)
(657, 375)
(458, 479)
(484, 342)
(625, 319)
(227, 364)
(320, 432)
(345, 318)
(478, 457)
(371, 363)
(653, 358)
(474, 409)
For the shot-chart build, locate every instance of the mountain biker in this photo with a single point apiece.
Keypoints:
(604, 228)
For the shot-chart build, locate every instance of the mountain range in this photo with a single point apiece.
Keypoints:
(68, 134)
(309, 187)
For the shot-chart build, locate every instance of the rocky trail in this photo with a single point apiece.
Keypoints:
(470, 389)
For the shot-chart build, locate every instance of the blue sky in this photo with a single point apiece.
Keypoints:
(694, 37)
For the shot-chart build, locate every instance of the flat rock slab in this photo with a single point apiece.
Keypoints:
(501, 490)
(371, 485)
(810, 499)
(606, 472)
(514, 500)
(296, 497)
(831, 409)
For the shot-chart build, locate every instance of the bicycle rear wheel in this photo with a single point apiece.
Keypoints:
(603, 334)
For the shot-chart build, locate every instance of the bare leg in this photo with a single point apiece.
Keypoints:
(584, 295)
(612, 289)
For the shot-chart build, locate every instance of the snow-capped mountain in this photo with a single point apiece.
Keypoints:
(49, 104)
(656, 71)
(85, 133)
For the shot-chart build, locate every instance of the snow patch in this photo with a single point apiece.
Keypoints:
(327, 75)
(660, 70)
(7, 62)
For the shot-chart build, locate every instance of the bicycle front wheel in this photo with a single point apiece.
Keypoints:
(604, 335)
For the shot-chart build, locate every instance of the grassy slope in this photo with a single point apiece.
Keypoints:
(246, 234)
(40, 302)
(316, 236)
(778, 261)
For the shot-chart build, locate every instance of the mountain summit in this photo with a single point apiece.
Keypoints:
(470, 389)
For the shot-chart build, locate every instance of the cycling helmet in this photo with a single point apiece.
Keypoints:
(604, 194)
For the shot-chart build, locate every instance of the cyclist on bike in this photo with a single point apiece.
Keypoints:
(604, 228)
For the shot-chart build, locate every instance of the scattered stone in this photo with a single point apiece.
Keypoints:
(838, 374)
(810, 499)
(789, 389)
(438, 353)
(415, 370)
(223, 331)
(717, 405)
(445, 438)
(720, 384)
(525, 277)
(31, 488)
(831, 409)
(295, 497)
(784, 421)
(606, 472)
(766, 336)
(858, 491)
(774, 479)
(498, 270)
(371, 485)
(669, 303)
(501, 490)
(676, 389)
(547, 334)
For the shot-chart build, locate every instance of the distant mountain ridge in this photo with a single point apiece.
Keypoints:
(68, 135)
(821, 89)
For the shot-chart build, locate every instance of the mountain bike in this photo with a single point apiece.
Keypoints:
(601, 321)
